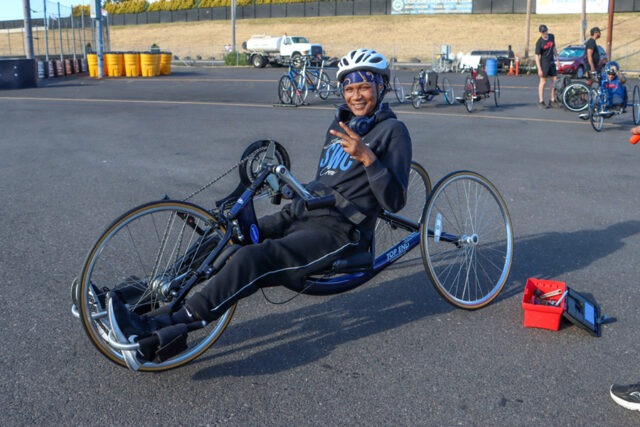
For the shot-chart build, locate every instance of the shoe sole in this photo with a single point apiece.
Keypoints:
(129, 356)
(624, 403)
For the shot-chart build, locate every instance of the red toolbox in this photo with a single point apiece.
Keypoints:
(542, 312)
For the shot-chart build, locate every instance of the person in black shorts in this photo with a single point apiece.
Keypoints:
(546, 57)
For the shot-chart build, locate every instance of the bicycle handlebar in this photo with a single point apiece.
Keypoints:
(311, 202)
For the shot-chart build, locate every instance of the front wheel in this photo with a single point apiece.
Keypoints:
(575, 97)
(449, 96)
(496, 90)
(466, 239)
(142, 253)
(635, 107)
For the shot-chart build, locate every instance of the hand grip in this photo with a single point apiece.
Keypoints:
(320, 202)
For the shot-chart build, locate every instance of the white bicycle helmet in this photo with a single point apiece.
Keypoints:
(363, 59)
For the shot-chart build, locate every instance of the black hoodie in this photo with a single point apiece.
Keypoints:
(383, 184)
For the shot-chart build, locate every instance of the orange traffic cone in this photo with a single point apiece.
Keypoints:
(511, 71)
(517, 66)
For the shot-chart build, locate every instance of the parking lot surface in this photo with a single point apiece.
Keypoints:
(78, 152)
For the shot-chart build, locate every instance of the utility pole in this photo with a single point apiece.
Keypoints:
(28, 40)
(612, 5)
(583, 24)
(527, 30)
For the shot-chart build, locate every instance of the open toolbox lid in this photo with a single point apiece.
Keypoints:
(584, 312)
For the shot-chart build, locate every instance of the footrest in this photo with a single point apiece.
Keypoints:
(361, 261)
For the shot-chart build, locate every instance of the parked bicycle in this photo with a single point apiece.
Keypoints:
(425, 87)
(161, 252)
(302, 78)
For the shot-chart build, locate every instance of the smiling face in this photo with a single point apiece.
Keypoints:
(361, 98)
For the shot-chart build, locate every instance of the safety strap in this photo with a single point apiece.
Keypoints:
(346, 207)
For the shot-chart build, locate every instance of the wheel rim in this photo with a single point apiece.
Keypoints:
(576, 97)
(597, 121)
(285, 90)
(138, 254)
(324, 84)
(418, 189)
(636, 105)
(448, 91)
(398, 89)
(496, 91)
(300, 90)
(471, 273)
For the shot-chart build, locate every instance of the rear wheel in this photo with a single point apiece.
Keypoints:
(575, 97)
(635, 107)
(466, 238)
(324, 85)
(142, 253)
(416, 94)
(449, 96)
(285, 90)
(469, 93)
(300, 90)
(496, 90)
(258, 61)
(398, 89)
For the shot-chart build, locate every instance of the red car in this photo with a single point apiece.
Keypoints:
(573, 58)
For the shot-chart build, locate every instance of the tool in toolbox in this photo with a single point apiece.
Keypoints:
(546, 301)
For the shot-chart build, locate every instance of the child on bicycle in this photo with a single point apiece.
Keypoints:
(615, 87)
(364, 162)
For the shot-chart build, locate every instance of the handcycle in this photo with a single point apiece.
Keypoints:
(477, 87)
(159, 253)
(599, 108)
(425, 87)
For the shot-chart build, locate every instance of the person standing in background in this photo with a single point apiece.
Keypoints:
(546, 58)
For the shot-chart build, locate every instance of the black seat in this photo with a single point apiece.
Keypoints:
(358, 259)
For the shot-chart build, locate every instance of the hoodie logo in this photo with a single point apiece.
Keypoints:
(335, 159)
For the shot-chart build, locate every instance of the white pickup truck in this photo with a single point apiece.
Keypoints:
(262, 49)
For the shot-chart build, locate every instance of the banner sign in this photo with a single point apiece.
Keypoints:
(571, 6)
(403, 7)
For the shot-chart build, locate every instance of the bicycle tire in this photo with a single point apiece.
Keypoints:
(469, 93)
(388, 235)
(596, 119)
(300, 90)
(496, 90)
(635, 106)
(324, 84)
(416, 94)
(285, 90)
(139, 251)
(398, 89)
(575, 97)
(466, 240)
(449, 96)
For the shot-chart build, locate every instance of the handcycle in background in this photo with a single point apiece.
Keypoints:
(160, 253)
(425, 87)
(599, 108)
(478, 87)
(302, 77)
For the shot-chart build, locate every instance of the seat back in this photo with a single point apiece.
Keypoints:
(431, 85)
(482, 83)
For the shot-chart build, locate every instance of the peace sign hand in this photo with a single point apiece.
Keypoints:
(353, 145)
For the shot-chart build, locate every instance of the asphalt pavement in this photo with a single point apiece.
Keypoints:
(77, 152)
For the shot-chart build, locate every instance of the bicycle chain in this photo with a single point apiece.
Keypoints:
(210, 183)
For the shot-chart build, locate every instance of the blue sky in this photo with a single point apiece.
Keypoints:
(14, 9)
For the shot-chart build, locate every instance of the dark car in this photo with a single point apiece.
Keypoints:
(573, 58)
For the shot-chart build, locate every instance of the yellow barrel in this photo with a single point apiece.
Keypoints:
(150, 64)
(165, 63)
(114, 62)
(92, 63)
(132, 64)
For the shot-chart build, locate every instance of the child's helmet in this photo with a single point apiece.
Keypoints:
(611, 68)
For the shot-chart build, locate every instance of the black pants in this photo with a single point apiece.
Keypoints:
(295, 245)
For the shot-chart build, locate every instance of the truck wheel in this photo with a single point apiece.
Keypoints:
(258, 61)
